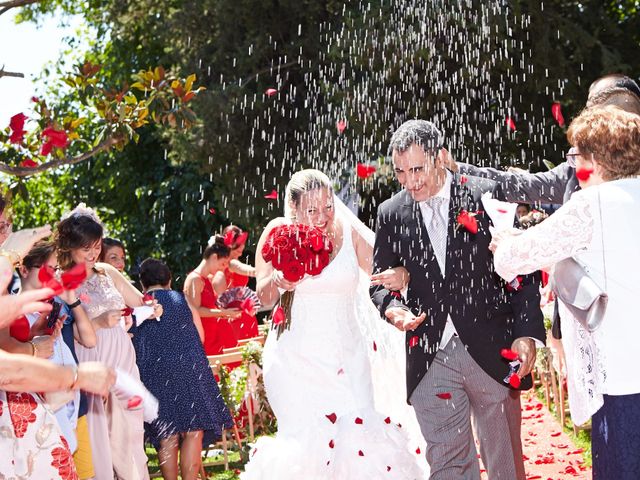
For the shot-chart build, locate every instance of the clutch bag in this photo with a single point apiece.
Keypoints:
(583, 297)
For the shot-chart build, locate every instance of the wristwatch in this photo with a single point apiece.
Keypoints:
(75, 304)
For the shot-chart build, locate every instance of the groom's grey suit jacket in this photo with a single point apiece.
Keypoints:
(486, 315)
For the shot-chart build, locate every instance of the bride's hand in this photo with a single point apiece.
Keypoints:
(394, 279)
(279, 281)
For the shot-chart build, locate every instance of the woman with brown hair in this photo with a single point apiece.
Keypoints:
(198, 288)
(117, 432)
(599, 230)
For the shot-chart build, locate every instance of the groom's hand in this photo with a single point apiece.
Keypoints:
(525, 347)
(403, 319)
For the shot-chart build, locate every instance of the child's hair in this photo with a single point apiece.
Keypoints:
(154, 272)
(216, 246)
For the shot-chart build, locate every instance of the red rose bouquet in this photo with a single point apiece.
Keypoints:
(296, 250)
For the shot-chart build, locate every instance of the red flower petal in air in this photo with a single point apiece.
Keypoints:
(278, 315)
(514, 381)
(502, 210)
(358, 421)
(375, 347)
(272, 196)
(463, 180)
(388, 468)
(341, 125)
(387, 420)
(28, 163)
(556, 111)
(212, 211)
(73, 278)
(444, 395)
(418, 451)
(583, 174)
(332, 417)
(413, 341)
(331, 444)
(509, 354)
(365, 171)
(361, 453)
(270, 92)
(134, 402)
(510, 123)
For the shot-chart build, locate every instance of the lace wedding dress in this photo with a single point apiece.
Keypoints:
(318, 378)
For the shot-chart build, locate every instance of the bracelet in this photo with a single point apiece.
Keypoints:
(75, 304)
(12, 256)
(34, 348)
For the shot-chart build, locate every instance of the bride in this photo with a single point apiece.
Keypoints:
(335, 379)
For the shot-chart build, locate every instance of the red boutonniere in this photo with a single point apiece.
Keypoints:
(467, 220)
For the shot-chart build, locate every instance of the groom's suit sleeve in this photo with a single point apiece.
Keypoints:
(385, 256)
(546, 187)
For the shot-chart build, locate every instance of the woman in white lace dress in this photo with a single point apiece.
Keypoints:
(599, 228)
(318, 373)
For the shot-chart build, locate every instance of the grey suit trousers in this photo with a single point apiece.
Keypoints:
(446, 422)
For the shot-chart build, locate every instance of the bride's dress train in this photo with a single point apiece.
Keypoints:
(319, 384)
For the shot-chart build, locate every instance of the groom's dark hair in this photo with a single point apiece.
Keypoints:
(420, 132)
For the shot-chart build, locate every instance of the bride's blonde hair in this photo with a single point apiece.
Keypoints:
(302, 182)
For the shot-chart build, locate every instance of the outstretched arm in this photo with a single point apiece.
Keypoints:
(546, 187)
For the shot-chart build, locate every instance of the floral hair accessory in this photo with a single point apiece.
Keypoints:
(82, 211)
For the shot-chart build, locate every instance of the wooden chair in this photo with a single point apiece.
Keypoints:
(215, 362)
(260, 339)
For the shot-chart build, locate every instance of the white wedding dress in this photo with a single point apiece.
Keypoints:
(319, 384)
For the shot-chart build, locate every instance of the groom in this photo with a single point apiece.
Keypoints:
(458, 315)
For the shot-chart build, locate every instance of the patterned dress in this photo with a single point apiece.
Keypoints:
(175, 370)
(117, 434)
(31, 443)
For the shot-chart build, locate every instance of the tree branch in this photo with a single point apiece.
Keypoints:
(4, 73)
(8, 5)
(43, 167)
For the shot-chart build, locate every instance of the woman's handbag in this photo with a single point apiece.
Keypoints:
(586, 301)
(583, 297)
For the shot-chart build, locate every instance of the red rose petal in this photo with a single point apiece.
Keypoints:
(358, 421)
(556, 434)
(340, 372)
(360, 453)
(331, 444)
(270, 92)
(510, 123)
(418, 451)
(444, 395)
(375, 347)
(134, 402)
(502, 210)
(583, 174)
(73, 278)
(212, 211)
(341, 125)
(463, 180)
(278, 315)
(364, 171)
(468, 221)
(388, 468)
(332, 417)
(413, 341)
(509, 354)
(387, 420)
(556, 111)
(272, 196)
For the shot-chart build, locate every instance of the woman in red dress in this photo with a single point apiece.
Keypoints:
(198, 288)
(237, 275)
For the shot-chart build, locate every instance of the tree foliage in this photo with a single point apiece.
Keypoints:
(468, 65)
